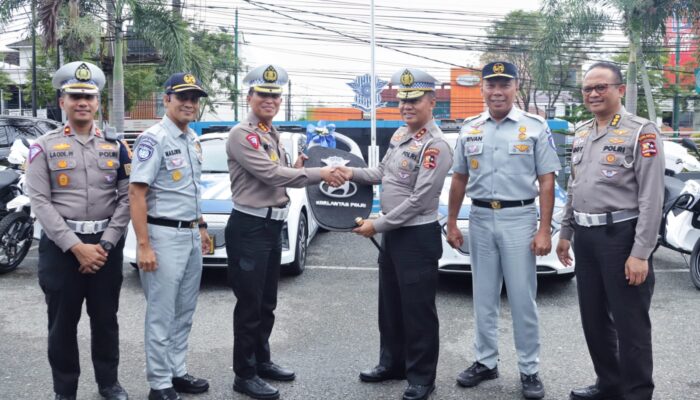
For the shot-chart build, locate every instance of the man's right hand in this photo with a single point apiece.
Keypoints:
(454, 235)
(91, 257)
(332, 176)
(563, 247)
(146, 258)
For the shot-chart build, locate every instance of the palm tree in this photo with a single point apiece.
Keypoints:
(642, 21)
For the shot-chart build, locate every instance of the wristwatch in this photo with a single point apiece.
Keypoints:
(203, 225)
(106, 245)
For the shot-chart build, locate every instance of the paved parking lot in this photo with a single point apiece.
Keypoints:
(326, 330)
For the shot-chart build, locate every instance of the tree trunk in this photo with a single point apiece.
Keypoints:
(117, 114)
(177, 7)
(648, 95)
(631, 95)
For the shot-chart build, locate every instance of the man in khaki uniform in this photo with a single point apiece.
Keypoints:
(78, 181)
(253, 234)
(613, 210)
(412, 174)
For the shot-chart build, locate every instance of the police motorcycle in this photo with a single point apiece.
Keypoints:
(680, 223)
(16, 220)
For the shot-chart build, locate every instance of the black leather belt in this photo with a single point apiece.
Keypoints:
(498, 204)
(172, 223)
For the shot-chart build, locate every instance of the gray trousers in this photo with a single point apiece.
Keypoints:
(171, 295)
(499, 242)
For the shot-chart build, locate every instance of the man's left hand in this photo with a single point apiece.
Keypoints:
(299, 163)
(636, 270)
(542, 243)
(366, 229)
(206, 243)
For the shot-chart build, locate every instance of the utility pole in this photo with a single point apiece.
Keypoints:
(676, 99)
(289, 100)
(235, 68)
(34, 58)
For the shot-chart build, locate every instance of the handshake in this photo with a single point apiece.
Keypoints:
(336, 176)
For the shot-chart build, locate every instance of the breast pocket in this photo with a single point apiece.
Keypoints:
(63, 172)
(108, 169)
(175, 166)
(521, 157)
(611, 168)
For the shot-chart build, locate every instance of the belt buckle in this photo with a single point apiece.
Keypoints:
(495, 204)
(88, 227)
(193, 224)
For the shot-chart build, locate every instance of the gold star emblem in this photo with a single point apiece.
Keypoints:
(189, 79)
(498, 68)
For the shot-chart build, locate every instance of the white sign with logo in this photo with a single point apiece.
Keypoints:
(468, 80)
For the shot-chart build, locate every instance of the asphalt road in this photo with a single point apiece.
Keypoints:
(326, 330)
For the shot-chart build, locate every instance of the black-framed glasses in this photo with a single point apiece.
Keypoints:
(600, 88)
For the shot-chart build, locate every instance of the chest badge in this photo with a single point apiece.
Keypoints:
(176, 175)
(522, 136)
(273, 156)
(616, 140)
(474, 163)
(610, 158)
(475, 131)
(620, 132)
(62, 164)
(522, 147)
(61, 146)
(63, 180)
(608, 173)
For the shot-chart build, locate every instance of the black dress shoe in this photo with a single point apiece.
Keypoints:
(418, 392)
(476, 373)
(532, 386)
(163, 394)
(592, 393)
(270, 370)
(255, 388)
(381, 373)
(113, 392)
(189, 384)
(64, 397)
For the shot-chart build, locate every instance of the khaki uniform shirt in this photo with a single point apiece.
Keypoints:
(411, 184)
(618, 167)
(503, 159)
(256, 164)
(169, 161)
(68, 179)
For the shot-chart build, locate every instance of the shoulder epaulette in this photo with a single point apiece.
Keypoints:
(535, 117)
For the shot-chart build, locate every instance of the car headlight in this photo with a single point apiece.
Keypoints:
(285, 237)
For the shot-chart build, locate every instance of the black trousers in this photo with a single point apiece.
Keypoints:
(408, 321)
(64, 290)
(254, 248)
(615, 315)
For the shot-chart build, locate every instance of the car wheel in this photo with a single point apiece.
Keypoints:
(16, 234)
(695, 265)
(299, 264)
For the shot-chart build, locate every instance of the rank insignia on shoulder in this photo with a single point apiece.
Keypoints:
(420, 133)
(66, 130)
(429, 162)
(474, 163)
(616, 120)
(263, 127)
(253, 140)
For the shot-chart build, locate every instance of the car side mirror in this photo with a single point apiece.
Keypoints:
(688, 143)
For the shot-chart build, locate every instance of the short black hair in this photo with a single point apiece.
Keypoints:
(609, 66)
(251, 91)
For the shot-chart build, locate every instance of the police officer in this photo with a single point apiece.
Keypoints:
(501, 154)
(78, 181)
(253, 234)
(165, 194)
(412, 173)
(613, 210)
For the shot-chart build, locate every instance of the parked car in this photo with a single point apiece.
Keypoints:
(458, 260)
(12, 128)
(298, 230)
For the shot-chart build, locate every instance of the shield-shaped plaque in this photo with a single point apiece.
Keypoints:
(335, 209)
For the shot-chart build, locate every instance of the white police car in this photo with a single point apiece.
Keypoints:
(458, 260)
(299, 228)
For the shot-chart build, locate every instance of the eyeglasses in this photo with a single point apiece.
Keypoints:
(601, 88)
(266, 95)
(187, 96)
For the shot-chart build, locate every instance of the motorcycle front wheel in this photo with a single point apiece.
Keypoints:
(695, 265)
(16, 234)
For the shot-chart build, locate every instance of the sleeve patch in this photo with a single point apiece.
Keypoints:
(429, 161)
(253, 140)
(647, 136)
(648, 148)
(431, 152)
(144, 151)
(34, 150)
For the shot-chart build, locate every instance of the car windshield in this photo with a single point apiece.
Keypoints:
(214, 155)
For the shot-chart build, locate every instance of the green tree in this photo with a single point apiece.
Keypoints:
(45, 93)
(140, 83)
(217, 50)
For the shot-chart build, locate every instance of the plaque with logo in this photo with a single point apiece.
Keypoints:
(335, 208)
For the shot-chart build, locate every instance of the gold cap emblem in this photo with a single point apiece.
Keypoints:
(270, 74)
(407, 78)
(189, 79)
(498, 68)
(83, 73)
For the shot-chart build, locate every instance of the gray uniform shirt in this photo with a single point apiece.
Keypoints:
(503, 159)
(169, 161)
(618, 167)
(256, 166)
(411, 185)
(68, 179)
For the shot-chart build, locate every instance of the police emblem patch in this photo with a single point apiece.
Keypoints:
(82, 73)
(189, 79)
(34, 150)
(429, 162)
(62, 164)
(610, 158)
(474, 163)
(498, 68)
(648, 148)
(407, 78)
(110, 163)
(62, 180)
(270, 74)
(253, 140)
(144, 152)
(177, 175)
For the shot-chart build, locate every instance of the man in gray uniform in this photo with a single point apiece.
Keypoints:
(613, 209)
(78, 181)
(165, 194)
(412, 174)
(502, 154)
(253, 233)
